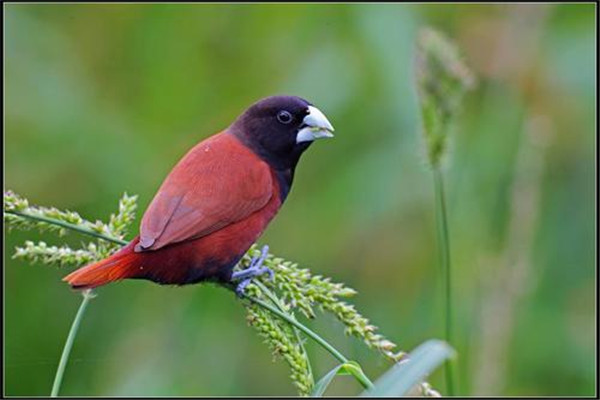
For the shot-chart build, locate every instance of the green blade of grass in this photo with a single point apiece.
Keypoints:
(401, 378)
(349, 368)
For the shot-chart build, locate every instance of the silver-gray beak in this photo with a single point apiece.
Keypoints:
(317, 126)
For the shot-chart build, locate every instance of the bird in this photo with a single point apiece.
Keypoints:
(216, 201)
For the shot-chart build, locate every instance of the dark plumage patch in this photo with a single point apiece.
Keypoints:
(274, 141)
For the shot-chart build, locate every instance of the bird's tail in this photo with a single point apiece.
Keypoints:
(120, 265)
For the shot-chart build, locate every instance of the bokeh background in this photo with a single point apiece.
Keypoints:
(102, 99)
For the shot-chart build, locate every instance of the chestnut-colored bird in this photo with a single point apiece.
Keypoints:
(217, 201)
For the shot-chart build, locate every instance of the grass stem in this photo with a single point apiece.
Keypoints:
(66, 225)
(64, 358)
(444, 251)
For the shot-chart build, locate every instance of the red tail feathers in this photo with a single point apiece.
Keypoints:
(122, 264)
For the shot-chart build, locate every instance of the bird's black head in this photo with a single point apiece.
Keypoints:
(280, 128)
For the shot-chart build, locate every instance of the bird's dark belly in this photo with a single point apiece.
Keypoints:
(209, 258)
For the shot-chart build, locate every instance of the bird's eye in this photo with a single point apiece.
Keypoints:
(284, 117)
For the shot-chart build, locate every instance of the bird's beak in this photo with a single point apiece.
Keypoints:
(315, 126)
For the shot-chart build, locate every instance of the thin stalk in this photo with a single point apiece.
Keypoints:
(64, 358)
(361, 377)
(444, 247)
(67, 225)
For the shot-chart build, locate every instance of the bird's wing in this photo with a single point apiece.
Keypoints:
(219, 182)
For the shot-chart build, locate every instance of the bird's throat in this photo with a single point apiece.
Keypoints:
(284, 181)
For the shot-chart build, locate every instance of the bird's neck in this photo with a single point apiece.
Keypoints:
(284, 180)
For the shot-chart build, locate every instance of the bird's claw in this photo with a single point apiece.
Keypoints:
(270, 272)
(241, 287)
(255, 269)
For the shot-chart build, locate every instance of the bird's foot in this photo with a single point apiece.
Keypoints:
(255, 269)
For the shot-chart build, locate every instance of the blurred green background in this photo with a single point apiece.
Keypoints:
(102, 99)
